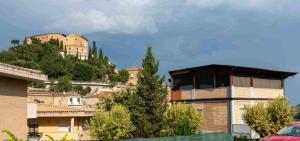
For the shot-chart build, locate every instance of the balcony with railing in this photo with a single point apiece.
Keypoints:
(22, 73)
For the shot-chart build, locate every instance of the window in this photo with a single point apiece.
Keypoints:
(242, 80)
(63, 126)
(204, 79)
(70, 101)
(78, 101)
(265, 82)
(222, 79)
(183, 82)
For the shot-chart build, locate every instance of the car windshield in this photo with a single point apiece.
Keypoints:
(290, 131)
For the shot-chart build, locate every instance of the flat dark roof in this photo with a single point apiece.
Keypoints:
(237, 69)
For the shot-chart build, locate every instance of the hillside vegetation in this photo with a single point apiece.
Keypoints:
(48, 58)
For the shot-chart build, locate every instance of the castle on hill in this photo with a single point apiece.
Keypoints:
(72, 43)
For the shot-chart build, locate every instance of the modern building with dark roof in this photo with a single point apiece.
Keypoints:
(222, 91)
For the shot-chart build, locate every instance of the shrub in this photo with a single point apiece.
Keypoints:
(111, 125)
(269, 118)
(181, 119)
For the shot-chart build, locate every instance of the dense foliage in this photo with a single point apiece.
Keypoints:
(181, 119)
(297, 110)
(114, 124)
(64, 85)
(147, 103)
(52, 60)
(269, 118)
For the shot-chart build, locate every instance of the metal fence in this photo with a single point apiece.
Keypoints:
(200, 137)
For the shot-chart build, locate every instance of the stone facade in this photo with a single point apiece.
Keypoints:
(133, 72)
(73, 43)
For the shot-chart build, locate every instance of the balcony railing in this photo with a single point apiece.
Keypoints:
(22, 72)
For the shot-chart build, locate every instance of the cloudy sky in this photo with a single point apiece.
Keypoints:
(183, 33)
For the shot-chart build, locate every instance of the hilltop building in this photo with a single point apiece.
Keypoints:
(222, 91)
(72, 43)
(13, 95)
(133, 72)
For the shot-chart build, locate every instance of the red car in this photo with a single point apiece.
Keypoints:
(289, 133)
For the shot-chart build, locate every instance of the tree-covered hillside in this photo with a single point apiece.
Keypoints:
(47, 58)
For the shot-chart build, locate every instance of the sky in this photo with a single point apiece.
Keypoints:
(183, 33)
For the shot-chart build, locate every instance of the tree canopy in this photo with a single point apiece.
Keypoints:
(50, 59)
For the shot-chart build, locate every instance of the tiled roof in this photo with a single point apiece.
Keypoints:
(134, 68)
(43, 108)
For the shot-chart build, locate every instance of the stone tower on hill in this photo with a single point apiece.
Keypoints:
(72, 43)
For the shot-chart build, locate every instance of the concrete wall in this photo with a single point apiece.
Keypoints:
(13, 106)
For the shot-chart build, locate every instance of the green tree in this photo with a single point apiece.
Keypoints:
(181, 119)
(25, 41)
(82, 72)
(15, 42)
(53, 65)
(106, 60)
(38, 85)
(64, 84)
(61, 45)
(111, 125)
(100, 58)
(65, 52)
(94, 50)
(89, 54)
(297, 111)
(82, 91)
(269, 118)
(148, 103)
(123, 75)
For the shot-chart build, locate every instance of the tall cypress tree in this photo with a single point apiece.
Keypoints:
(90, 54)
(61, 45)
(149, 102)
(94, 50)
(100, 55)
(25, 42)
(65, 52)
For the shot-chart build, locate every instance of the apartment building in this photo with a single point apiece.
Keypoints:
(222, 91)
(13, 95)
(72, 43)
(57, 114)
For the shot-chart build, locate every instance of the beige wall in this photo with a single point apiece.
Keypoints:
(50, 126)
(251, 92)
(13, 106)
(91, 101)
(47, 99)
(214, 116)
(133, 77)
